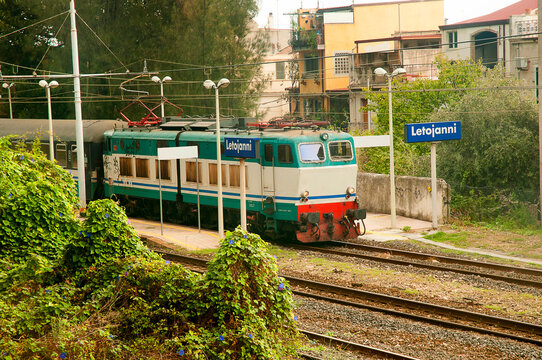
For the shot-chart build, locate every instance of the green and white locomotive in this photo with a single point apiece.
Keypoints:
(301, 182)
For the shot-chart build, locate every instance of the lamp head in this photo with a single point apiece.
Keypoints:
(53, 84)
(398, 71)
(7, 86)
(167, 78)
(223, 83)
(380, 72)
(43, 83)
(209, 84)
(155, 78)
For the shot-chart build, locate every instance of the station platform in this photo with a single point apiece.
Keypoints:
(377, 228)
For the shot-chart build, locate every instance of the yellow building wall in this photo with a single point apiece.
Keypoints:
(374, 22)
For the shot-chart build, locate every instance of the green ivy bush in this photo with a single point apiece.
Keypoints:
(144, 307)
(105, 234)
(37, 203)
(248, 305)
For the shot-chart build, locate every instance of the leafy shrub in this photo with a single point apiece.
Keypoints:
(106, 234)
(498, 207)
(249, 305)
(37, 204)
(145, 307)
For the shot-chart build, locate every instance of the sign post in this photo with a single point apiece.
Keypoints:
(433, 132)
(242, 148)
(176, 153)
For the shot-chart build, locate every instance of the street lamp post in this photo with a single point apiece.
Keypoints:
(8, 86)
(396, 72)
(156, 79)
(209, 84)
(53, 84)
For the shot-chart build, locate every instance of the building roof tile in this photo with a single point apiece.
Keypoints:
(501, 15)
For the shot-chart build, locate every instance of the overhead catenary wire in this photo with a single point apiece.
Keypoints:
(251, 80)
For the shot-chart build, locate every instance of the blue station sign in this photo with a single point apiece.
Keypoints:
(241, 147)
(435, 131)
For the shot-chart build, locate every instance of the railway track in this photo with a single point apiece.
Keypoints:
(431, 258)
(358, 348)
(531, 333)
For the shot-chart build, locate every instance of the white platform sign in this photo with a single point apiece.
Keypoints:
(371, 141)
(181, 152)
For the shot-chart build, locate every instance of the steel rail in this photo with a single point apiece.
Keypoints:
(344, 344)
(419, 305)
(524, 282)
(425, 319)
(401, 302)
(440, 258)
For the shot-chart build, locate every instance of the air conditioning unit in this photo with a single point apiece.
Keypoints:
(522, 63)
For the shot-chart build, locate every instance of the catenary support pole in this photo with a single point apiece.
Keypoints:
(243, 183)
(79, 140)
(50, 117)
(393, 212)
(219, 169)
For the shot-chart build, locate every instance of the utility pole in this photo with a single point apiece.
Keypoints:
(79, 140)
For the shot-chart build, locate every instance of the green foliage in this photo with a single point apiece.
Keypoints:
(37, 204)
(145, 307)
(499, 142)
(106, 234)
(414, 102)
(189, 40)
(497, 157)
(502, 208)
(251, 306)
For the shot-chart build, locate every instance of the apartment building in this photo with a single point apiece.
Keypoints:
(336, 46)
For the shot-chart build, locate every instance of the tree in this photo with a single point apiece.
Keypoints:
(188, 40)
(414, 102)
(499, 142)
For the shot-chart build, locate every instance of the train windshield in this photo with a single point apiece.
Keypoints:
(311, 152)
(340, 150)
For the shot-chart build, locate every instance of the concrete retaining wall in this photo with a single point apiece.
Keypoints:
(412, 195)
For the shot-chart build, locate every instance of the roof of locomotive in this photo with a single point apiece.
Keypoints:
(64, 130)
(210, 135)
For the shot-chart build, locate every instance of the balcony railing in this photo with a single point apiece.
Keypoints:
(306, 40)
(364, 78)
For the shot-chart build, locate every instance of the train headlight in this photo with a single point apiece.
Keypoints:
(324, 136)
(350, 191)
(304, 196)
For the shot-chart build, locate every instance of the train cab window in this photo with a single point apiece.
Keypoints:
(62, 155)
(285, 154)
(142, 168)
(268, 152)
(213, 175)
(340, 151)
(311, 152)
(235, 176)
(126, 167)
(45, 149)
(191, 173)
(162, 143)
(164, 169)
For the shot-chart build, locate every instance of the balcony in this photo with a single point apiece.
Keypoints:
(363, 77)
(303, 40)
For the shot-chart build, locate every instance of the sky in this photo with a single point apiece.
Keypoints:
(454, 10)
